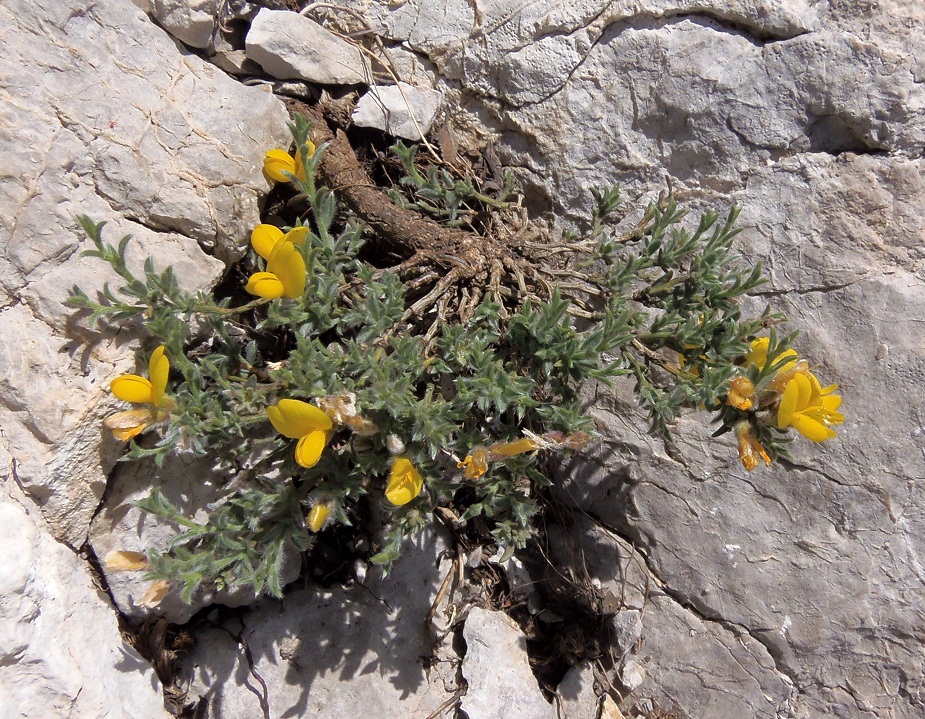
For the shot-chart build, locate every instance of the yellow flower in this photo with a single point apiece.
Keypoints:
(299, 420)
(156, 592)
(277, 161)
(511, 449)
(758, 354)
(809, 407)
(124, 561)
(285, 275)
(475, 463)
(265, 237)
(405, 482)
(318, 516)
(139, 390)
(750, 449)
(741, 393)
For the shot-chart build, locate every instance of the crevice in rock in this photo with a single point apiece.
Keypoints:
(730, 23)
(757, 35)
(834, 135)
(803, 291)
(700, 610)
(791, 465)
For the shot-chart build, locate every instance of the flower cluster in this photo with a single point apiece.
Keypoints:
(779, 393)
(409, 398)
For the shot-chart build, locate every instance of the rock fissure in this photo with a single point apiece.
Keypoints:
(703, 612)
(803, 290)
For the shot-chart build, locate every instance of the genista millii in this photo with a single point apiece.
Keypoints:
(348, 376)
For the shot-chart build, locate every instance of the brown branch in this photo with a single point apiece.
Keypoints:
(400, 230)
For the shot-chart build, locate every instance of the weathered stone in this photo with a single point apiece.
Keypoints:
(401, 110)
(235, 62)
(190, 484)
(576, 695)
(290, 46)
(632, 675)
(190, 21)
(627, 629)
(497, 670)
(812, 118)
(685, 657)
(525, 53)
(61, 653)
(412, 68)
(357, 651)
(112, 121)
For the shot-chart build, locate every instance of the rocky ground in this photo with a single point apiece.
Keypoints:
(794, 591)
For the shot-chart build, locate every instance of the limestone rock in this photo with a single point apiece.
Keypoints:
(190, 484)
(190, 21)
(497, 670)
(412, 68)
(290, 46)
(576, 696)
(349, 651)
(685, 654)
(523, 54)
(811, 116)
(111, 121)
(61, 653)
(401, 110)
(627, 629)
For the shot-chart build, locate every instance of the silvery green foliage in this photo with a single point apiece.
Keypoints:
(659, 304)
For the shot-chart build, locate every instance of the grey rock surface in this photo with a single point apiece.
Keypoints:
(497, 670)
(794, 591)
(627, 630)
(190, 21)
(190, 484)
(61, 654)
(357, 651)
(401, 110)
(577, 698)
(290, 46)
(105, 118)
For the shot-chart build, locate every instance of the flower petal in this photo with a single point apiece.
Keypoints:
(158, 370)
(824, 416)
(318, 516)
(405, 482)
(511, 449)
(276, 162)
(297, 235)
(475, 463)
(294, 418)
(811, 429)
(788, 404)
(831, 402)
(131, 388)
(264, 239)
(123, 561)
(156, 592)
(265, 284)
(287, 264)
(125, 425)
(805, 388)
(308, 450)
(758, 352)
